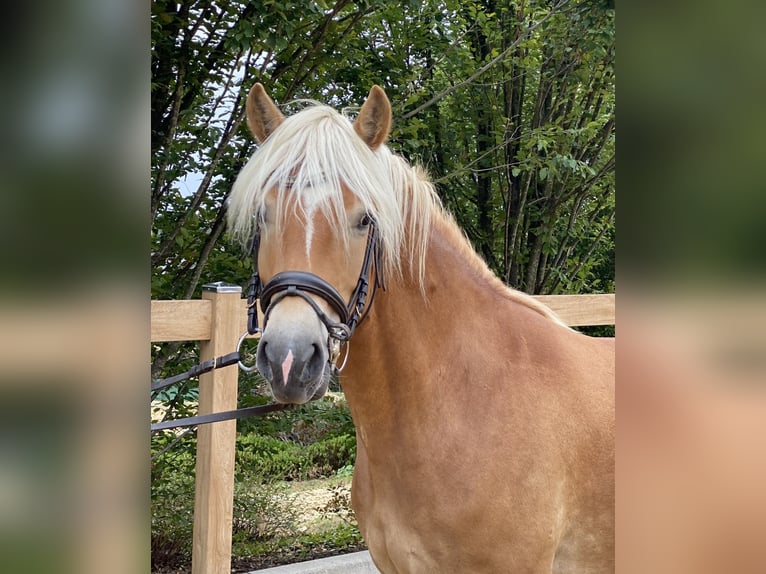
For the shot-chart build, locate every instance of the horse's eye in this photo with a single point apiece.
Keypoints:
(365, 221)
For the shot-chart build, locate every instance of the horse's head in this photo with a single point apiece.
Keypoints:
(317, 235)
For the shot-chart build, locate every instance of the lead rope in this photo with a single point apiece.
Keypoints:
(196, 370)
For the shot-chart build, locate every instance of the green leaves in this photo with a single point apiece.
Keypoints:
(535, 128)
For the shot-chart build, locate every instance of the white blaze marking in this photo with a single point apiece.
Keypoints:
(288, 362)
(309, 231)
(311, 202)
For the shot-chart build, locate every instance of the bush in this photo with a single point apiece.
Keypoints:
(307, 424)
(315, 441)
(262, 511)
(172, 507)
(277, 460)
(340, 505)
(329, 456)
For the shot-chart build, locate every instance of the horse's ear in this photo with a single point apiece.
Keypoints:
(374, 120)
(263, 116)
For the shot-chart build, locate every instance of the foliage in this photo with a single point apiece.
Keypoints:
(312, 422)
(261, 511)
(250, 555)
(340, 505)
(279, 460)
(511, 107)
(172, 508)
(312, 442)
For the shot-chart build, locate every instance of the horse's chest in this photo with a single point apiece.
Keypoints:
(397, 537)
(409, 530)
(397, 547)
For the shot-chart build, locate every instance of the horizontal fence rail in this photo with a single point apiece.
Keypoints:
(189, 320)
(217, 321)
(581, 310)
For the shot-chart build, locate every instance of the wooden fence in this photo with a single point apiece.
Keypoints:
(217, 320)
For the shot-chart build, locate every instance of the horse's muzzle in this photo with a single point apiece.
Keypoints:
(297, 368)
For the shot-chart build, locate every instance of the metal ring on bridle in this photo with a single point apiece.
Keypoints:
(244, 367)
(339, 331)
(345, 358)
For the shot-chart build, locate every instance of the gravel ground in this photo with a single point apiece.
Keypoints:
(313, 500)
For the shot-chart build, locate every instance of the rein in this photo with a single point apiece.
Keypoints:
(205, 367)
(222, 416)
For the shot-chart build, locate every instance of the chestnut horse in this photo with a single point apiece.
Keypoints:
(485, 426)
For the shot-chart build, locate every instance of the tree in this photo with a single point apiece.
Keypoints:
(536, 188)
(509, 105)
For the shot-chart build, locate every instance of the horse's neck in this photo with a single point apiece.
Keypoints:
(398, 357)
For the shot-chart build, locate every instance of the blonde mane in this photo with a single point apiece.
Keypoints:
(319, 146)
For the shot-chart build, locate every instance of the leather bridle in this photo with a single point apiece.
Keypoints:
(304, 284)
(290, 284)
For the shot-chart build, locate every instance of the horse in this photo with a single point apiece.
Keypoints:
(484, 425)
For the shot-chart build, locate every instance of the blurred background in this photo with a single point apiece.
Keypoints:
(691, 345)
(74, 167)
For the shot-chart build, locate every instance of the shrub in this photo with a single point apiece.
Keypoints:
(340, 505)
(262, 511)
(317, 440)
(278, 460)
(328, 456)
(172, 507)
(307, 424)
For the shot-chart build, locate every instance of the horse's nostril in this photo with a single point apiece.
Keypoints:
(263, 360)
(316, 362)
(265, 351)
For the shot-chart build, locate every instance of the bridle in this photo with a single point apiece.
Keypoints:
(304, 284)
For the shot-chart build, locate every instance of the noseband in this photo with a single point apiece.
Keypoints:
(304, 284)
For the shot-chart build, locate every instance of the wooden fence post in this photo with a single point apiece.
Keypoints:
(214, 478)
